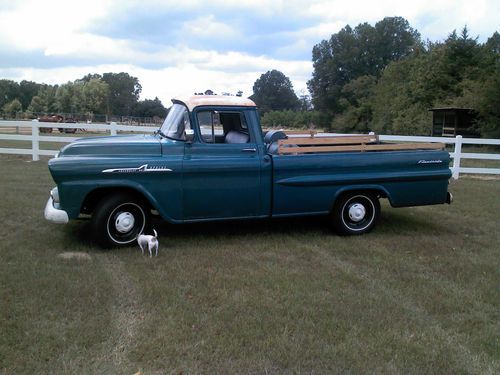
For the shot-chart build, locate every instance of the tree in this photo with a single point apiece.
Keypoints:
(9, 90)
(352, 53)
(37, 105)
(150, 108)
(27, 90)
(462, 54)
(47, 95)
(293, 119)
(357, 103)
(10, 109)
(65, 100)
(458, 72)
(124, 91)
(95, 93)
(274, 91)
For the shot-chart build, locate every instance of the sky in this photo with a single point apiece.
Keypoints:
(178, 47)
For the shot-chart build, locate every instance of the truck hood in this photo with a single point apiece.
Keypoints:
(121, 145)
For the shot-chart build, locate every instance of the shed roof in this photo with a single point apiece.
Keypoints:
(199, 100)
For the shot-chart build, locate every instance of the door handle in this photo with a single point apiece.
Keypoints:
(249, 150)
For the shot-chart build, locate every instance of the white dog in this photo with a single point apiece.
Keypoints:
(150, 241)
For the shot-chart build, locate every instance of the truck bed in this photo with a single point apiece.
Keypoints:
(300, 143)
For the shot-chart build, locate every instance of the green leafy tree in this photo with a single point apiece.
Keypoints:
(9, 90)
(458, 72)
(274, 91)
(405, 92)
(10, 109)
(462, 56)
(357, 115)
(37, 105)
(64, 98)
(352, 53)
(95, 93)
(150, 108)
(289, 119)
(82, 96)
(124, 91)
(47, 94)
(27, 90)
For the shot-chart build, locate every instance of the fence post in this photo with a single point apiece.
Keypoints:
(35, 137)
(456, 159)
(113, 128)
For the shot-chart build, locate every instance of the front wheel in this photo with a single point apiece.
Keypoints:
(355, 213)
(118, 220)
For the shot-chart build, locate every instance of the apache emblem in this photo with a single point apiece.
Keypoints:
(142, 168)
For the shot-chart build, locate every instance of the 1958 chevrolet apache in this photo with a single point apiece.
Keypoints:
(210, 160)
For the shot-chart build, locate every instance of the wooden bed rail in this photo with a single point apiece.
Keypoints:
(351, 143)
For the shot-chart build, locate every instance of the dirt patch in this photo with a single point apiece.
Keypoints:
(75, 255)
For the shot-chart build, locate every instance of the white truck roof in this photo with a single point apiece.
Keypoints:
(220, 100)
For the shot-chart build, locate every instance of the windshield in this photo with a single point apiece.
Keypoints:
(176, 122)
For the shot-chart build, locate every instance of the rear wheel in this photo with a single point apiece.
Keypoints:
(355, 213)
(119, 219)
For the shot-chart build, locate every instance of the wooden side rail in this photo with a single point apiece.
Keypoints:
(341, 140)
(310, 133)
(359, 143)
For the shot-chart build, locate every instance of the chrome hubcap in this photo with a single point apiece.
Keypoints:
(357, 212)
(124, 222)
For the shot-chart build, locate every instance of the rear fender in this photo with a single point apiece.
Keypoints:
(379, 190)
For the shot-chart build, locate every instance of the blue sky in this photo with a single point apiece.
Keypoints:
(182, 47)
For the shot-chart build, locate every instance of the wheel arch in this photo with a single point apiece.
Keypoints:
(96, 195)
(379, 191)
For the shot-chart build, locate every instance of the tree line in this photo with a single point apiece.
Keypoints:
(110, 93)
(384, 78)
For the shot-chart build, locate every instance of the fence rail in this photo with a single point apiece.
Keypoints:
(35, 138)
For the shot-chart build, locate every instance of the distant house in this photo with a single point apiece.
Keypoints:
(451, 121)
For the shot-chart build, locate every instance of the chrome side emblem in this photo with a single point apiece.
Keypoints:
(429, 162)
(142, 168)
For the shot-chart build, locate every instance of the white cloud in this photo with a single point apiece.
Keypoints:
(219, 72)
(208, 27)
(62, 29)
(41, 25)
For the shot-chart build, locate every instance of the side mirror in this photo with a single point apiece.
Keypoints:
(189, 135)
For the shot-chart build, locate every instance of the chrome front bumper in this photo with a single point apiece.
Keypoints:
(54, 213)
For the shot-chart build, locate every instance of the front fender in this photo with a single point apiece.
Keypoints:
(73, 194)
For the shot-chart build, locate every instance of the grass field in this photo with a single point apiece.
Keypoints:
(420, 294)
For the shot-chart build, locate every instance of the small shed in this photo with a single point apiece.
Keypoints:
(452, 121)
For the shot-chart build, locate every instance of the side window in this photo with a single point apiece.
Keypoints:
(210, 128)
(223, 127)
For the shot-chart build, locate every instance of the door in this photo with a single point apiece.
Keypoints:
(222, 168)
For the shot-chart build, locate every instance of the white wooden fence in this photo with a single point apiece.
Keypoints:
(35, 138)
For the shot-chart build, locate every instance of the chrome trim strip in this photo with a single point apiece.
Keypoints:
(142, 168)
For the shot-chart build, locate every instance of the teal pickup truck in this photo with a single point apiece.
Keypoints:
(210, 160)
